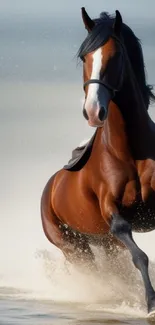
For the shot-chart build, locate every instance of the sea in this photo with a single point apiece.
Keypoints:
(41, 122)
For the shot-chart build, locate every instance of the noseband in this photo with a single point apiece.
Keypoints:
(98, 81)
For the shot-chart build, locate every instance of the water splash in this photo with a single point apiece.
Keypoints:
(116, 286)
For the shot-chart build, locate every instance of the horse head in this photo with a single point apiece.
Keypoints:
(103, 67)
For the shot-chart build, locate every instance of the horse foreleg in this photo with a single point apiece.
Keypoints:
(111, 245)
(122, 230)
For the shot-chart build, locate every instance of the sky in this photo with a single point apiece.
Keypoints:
(65, 8)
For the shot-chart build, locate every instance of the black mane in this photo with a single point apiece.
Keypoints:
(99, 36)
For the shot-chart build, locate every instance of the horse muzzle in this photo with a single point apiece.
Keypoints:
(96, 111)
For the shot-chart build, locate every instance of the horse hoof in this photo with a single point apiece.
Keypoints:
(151, 315)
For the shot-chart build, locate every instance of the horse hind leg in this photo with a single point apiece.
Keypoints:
(78, 250)
(74, 246)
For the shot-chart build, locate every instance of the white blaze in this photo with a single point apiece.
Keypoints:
(92, 98)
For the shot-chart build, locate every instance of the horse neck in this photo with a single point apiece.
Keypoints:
(112, 136)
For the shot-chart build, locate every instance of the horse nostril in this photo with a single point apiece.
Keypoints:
(101, 114)
(85, 114)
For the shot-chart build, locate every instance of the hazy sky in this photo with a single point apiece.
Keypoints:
(138, 8)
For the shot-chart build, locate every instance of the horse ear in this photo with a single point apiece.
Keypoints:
(117, 26)
(88, 22)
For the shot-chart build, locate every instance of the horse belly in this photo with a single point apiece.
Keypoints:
(77, 207)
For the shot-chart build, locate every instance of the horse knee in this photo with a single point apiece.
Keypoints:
(121, 229)
(119, 226)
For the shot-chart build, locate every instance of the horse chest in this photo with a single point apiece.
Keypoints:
(116, 173)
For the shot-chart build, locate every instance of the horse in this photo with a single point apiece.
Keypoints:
(107, 190)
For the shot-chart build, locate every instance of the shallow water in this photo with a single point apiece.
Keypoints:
(48, 313)
(23, 312)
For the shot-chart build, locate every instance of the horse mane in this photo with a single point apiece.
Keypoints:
(99, 36)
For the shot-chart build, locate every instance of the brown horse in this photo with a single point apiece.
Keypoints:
(107, 191)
